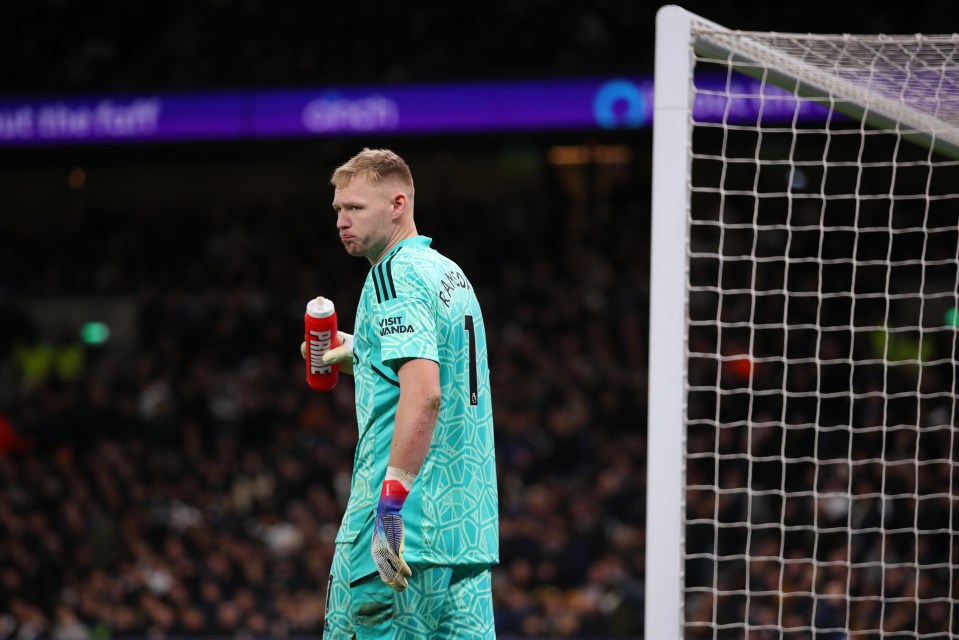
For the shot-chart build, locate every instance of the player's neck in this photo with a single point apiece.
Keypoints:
(399, 236)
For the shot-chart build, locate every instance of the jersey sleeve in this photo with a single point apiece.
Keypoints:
(405, 322)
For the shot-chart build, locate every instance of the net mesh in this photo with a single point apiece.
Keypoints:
(823, 270)
(912, 81)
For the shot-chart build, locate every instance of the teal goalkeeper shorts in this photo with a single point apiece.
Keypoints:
(440, 602)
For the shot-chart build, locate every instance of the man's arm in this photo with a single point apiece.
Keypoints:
(416, 414)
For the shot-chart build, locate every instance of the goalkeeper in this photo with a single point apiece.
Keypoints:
(420, 530)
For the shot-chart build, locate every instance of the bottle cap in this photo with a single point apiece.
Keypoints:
(319, 308)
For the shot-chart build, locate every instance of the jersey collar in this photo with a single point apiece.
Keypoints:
(414, 241)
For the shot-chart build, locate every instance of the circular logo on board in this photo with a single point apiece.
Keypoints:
(619, 103)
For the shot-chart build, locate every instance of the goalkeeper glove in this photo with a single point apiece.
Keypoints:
(388, 529)
(339, 354)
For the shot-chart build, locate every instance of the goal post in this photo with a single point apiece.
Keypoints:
(666, 404)
(804, 304)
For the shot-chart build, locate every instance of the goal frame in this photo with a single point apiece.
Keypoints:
(672, 158)
(672, 138)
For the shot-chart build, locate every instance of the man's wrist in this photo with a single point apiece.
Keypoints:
(396, 488)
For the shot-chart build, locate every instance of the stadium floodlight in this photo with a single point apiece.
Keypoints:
(803, 342)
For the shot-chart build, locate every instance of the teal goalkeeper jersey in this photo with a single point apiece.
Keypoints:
(416, 303)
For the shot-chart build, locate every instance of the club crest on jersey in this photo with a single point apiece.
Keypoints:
(394, 324)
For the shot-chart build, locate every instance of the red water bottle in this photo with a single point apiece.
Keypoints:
(320, 328)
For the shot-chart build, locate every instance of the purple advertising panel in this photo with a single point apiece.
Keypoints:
(412, 109)
(464, 108)
(140, 118)
(481, 107)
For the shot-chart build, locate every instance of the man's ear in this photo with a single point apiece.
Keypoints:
(400, 203)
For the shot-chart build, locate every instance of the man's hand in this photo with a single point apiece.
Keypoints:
(388, 550)
(388, 535)
(341, 355)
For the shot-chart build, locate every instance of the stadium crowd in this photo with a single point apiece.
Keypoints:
(53, 46)
(193, 484)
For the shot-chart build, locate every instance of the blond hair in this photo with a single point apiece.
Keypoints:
(376, 165)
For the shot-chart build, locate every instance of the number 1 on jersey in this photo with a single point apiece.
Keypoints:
(468, 322)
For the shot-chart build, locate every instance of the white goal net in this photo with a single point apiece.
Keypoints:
(811, 457)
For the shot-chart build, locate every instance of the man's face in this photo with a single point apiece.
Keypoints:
(363, 216)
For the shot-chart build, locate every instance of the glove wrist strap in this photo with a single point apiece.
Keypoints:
(396, 488)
